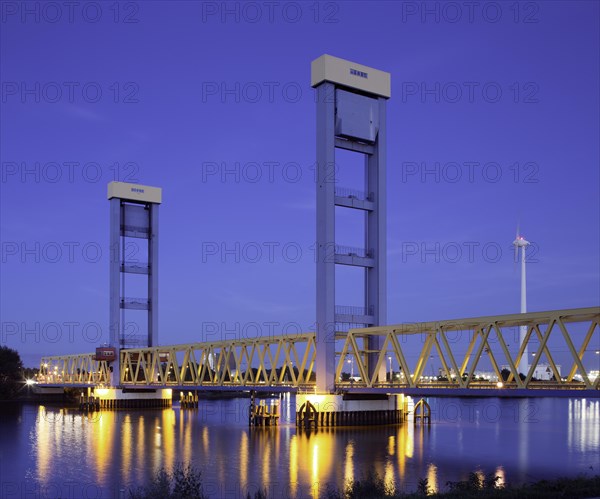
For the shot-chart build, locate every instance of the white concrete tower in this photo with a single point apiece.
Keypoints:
(351, 115)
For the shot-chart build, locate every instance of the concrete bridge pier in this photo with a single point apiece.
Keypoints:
(123, 398)
(315, 411)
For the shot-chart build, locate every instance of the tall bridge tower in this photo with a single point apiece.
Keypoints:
(133, 252)
(351, 115)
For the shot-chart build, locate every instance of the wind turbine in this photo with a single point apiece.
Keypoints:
(521, 242)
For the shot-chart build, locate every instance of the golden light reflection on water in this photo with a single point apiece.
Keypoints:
(293, 465)
(141, 447)
(315, 471)
(314, 457)
(432, 482)
(405, 448)
(158, 437)
(102, 440)
(389, 479)
(156, 428)
(145, 442)
(142, 443)
(205, 440)
(266, 464)
(186, 435)
(481, 477)
(324, 450)
(391, 445)
(501, 477)
(43, 444)
(168, 432)
(244, 461)
(126, 445)
(409, 443)
(349, 466)
(130, 446)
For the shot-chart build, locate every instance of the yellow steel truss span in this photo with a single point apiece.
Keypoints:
(479, 337)
(271, 361)
(289, 361)
(79, 369)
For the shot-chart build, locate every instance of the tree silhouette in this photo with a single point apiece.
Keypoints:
(11, 372)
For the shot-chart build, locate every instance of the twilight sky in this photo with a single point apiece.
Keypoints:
(493, 121)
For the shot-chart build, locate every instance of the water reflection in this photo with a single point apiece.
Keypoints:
(293, 465)
(141, 448)
(129, 446)
(266, 463)
(185, 437)
(315, 470)
(126, 447)
(349, 467)
(343, 452)
(168, 426)
(389, 480)
(584, 427)
(501, 482)
(244, 461)
(391, 445)
(432, 478)
(43, 446)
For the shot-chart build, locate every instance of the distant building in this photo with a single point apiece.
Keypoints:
(544, 372)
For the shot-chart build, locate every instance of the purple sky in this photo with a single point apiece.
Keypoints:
(493, 121)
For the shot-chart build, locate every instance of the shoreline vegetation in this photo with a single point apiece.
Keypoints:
(186, 482)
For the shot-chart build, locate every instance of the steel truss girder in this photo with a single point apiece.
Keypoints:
(273, 361)
(78, 369)
(435, 334)
(289, 361)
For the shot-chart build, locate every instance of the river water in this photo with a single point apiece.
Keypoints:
(54, 452)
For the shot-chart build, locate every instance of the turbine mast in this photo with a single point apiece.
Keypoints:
(522, 243)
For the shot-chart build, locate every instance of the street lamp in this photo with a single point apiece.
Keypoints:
(351, 362)
(390, 361)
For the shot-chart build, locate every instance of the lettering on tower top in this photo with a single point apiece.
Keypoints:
(135, 192)
(350, 74)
